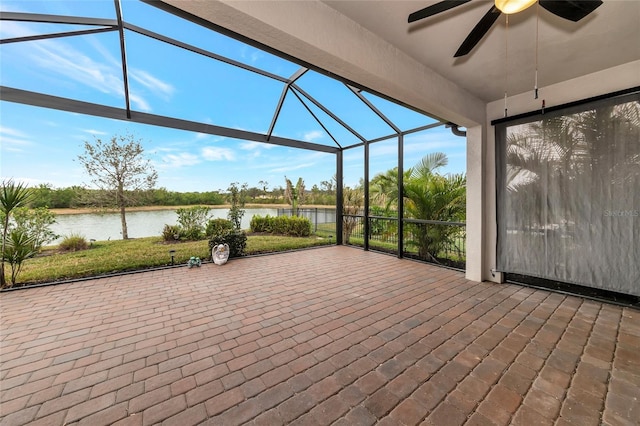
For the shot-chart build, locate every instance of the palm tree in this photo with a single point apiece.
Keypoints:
(12, 196)
(294, 195)
(352, 201)
(384, 186)
(427, 196)
(434, 197)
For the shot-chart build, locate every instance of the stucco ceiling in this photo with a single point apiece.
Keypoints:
(608, 37)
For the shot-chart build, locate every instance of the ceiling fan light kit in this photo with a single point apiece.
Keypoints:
(513, 6)
(572, 10)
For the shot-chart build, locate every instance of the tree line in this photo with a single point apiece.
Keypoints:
(45, 195)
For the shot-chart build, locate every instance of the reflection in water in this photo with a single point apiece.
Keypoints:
(107, 226)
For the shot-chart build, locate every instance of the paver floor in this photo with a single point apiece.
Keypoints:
(326, 336)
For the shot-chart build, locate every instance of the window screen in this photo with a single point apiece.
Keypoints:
(568, 194)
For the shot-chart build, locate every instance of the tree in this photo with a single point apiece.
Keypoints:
(294, 195)
(42, 196)
(119, 169)
(237, 199)
(329, 185)
(12, 196)
(264, 185)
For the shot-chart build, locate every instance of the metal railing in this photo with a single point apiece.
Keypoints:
(432, 241)
(317, 216)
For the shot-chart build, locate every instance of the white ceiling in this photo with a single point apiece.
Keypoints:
(608, 37)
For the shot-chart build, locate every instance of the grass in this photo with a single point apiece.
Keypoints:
(105, 257)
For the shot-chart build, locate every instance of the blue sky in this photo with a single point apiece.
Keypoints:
(41, 146)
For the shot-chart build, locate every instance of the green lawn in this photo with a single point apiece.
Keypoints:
(126, 255)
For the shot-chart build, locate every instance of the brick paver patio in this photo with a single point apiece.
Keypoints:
(332, 335)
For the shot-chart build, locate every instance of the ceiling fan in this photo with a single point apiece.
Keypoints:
(573, 10)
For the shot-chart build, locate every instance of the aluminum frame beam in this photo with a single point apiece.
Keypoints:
(25, 97)
(202, 52)
(56, 19)
(123, 55)
(374, 109)
(299, 73)
(57, 35)
(219, 29)
(329, 113)
(315, 117)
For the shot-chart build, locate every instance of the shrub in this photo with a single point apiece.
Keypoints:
(191, 234)
(282, 225)
(218, 226)
(74, 242)
(192, 221)
(36, 223)
(260, 224)
(299, 226)
(236, 239)
(171, 233)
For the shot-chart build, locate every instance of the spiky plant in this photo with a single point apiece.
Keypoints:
(12, 196)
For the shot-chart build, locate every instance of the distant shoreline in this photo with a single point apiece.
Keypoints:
(159, 208)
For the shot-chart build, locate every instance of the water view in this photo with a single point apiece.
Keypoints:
(107, 226)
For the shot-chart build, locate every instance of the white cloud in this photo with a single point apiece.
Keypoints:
(250, 55)
(140, 102)
(435, 140)
(180, 160)
(12, 132)
(60, 58)
(101, 71)
(312, 135)
(216, 154)
(13, 140)
(165, 149)
(157, 86)
(11, 29)
(255, 146)
(250, 146)
(291, 168)
(32, 182)
(95, 132)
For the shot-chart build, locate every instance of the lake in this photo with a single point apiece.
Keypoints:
(107, 226)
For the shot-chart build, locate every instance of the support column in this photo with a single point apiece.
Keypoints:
(339, 186)
(400, 196)
(365, 228)
(476, 203)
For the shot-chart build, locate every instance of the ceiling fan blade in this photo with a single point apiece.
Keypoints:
(573, 10)
(435, 9)
(478, 32)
